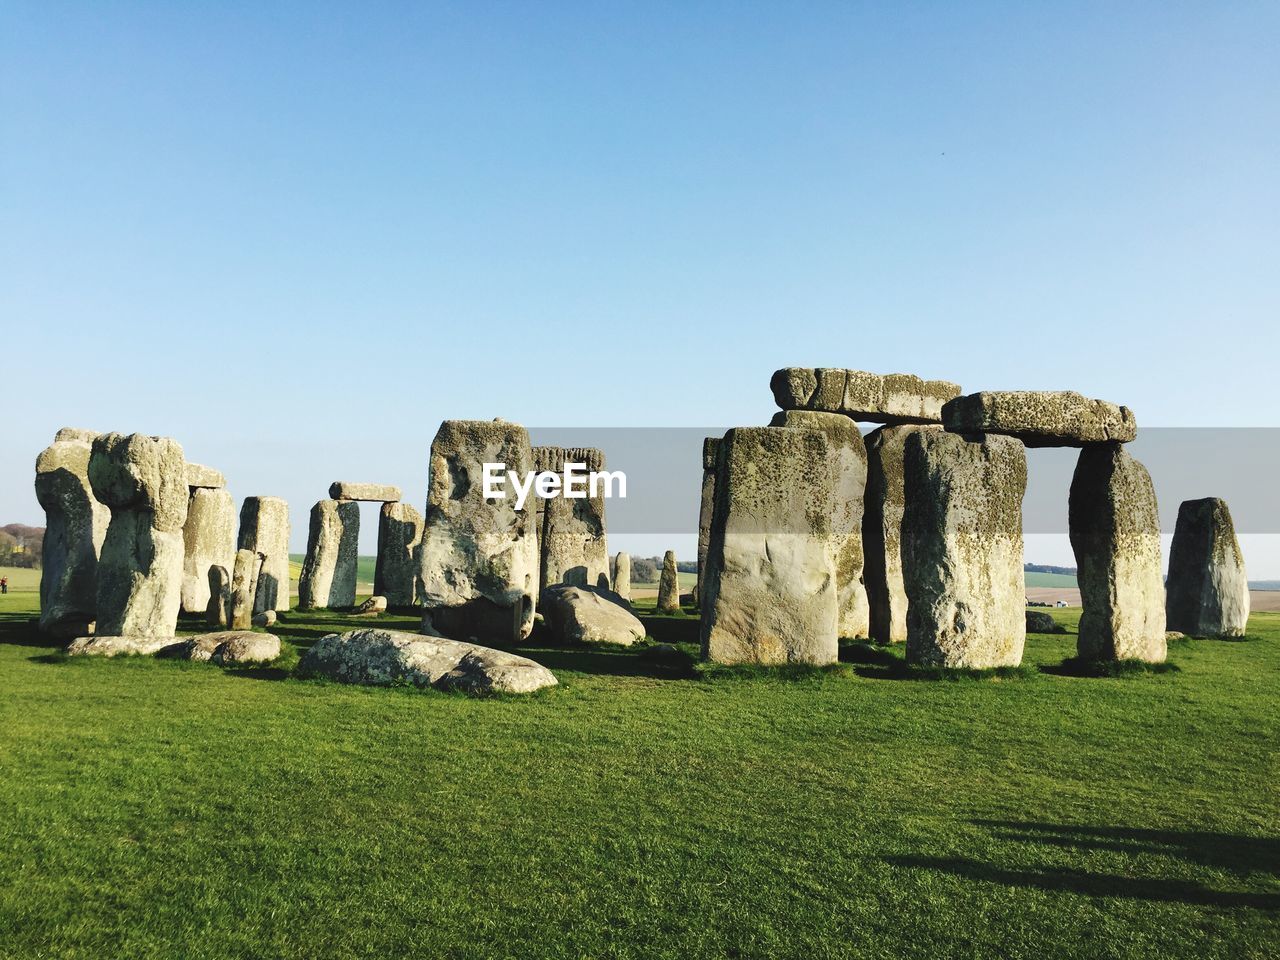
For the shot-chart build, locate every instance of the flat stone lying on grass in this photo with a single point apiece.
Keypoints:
(1207, 589)
(200, 477)
(1041, 418)
(893, 398)
(267, 618)
(374, 605)
(589, 615)
(114, 646)
(1040, 622)
(383, 657)
(370, 492)
(224, 647)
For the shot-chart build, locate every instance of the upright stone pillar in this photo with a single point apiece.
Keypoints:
(218, 612)
(1207, 590)
(710, 446)
(572, 544)
(1115, 533)
(75, 526)
(962, 550)
(479, 557)
(264, 529)
(771, 593)
(622, 576)
(209, 538)
(143, 480)
(329, 571)
(244, 582)
(399, 534)
(669, 585)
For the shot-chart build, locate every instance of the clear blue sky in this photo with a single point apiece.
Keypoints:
(297, 236)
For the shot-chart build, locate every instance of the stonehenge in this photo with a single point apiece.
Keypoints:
(771, 595)
(710, 448)
(209, 540)
(571, 538)
(590, 615)
(244, 582)
(75, 526)
(143, 481)
(622, 576)
(478, 572)
(894, 398)
(1041, 418)
(264, 529)
(962, 550)
(218, 611)
(200, 477)
(669, 585)
(1207, 590)
(328, 578)
(399, 537)
(371, 492)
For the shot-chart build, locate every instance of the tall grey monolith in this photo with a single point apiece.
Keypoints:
(328, 576)
(399, 535)
(209, 540)
(244, 582)
(572, 543)
(710, 448)
(669, 584)
(264, 529)
(1207, 589)
(622, 576)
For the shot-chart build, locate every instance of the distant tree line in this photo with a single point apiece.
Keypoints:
(21, 546)
(1046, 568)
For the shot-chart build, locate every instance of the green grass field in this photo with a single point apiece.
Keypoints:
(1049, 579)
(643, 808)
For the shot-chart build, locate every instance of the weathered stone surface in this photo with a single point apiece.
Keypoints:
(710, 448)
(849, 465)
(399, 536)
(1040, 622)
(115, 646)
(329, 570)
(479, 559)
(589, 615)
(669, 584)
(373, 605)
(75, 526)
(209, 540)
(374, 492)
(244, 582)
(884, 503)
(218, 611)
(383, 657)
(572, 543)
(771, 593)
(1041, 418)
(622, 576)
(264, 529)
(1115, 533)
(200, 476)
(247, 648)
(144, 482)
(1207, 590)
(75, 433)
(962, 550)
(894, 398)
(267, 618)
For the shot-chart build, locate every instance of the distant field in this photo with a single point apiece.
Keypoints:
(21, 579)
(364, 571)
(1050, 580)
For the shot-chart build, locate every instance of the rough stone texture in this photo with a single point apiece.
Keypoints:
(479, 560)
(884, 503)
(894, 398)
(373, 605)
(710, 448)
(329, 570)
(399, 536)
(209, 540)
(1041, 418)
(1115, 533)
(1207, 590)
(589, 615)
(144, 482)
(247, 648)
(75, 433)
(669, 584)
(244, 581)
(374, 492)
(75, 526)
(264, 529)
(383, 657)
(622, 576)
(202, 477)
(849, 464)
(571, 543)
(962, 550)
(115, 646)
(771, 593)
(267, 618)
(1041, 622)
(218, 612)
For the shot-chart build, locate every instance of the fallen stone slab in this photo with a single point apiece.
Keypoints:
(1207, 593)
(267, 618)
(1041, 418)
(225, 647)
(893, 398)
(372, 606)
(1041, 622)
(589, 615)
(117, 646)
(383, 657)
(201, 477)
(372, 492)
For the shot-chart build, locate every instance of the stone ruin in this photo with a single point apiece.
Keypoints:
(264, 529)
(209, 535)
(572, 545)
(669, 585)
(1208, 591)
(328, 578)
(395, 577)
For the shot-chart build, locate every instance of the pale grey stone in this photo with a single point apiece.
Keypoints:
(218, 611)
(399, 536)
(572, 543)
(590, 615)
(1040, 622)
(75, 433)
(200, 476)
(372, 492)
(267, 618)
(622, 576)
(383, 657)
(209, 540)
(1041, 418)
(144, 482)
(264, 529)
(1115, 533)
(669, 585)
(244, 582)
(247, 648)
(1207, 589)
(962, 550)
(894, 398)
(374, 605)
(771, 594)
(115, 646)
(329, 569)
(479, 559)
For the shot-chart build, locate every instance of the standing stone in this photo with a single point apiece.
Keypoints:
(1207, 590)
(264, 529)
(771, 592)
(669, 585)
(209, 538)
(882, 532)
(218, 612)
(572, 544)
(244, 582)
(849, 463)
(75, 526)
(710, 446)
(479, 558)
(1115, 533)
(329, 569)
(399, 534)
(143, 480)
(962, 550)
(622, 576)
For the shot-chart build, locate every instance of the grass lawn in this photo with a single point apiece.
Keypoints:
(641, 809)
(1049, 579)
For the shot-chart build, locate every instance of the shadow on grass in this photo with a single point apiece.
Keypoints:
(1078, 667)
(1246, 857)
(656, 662)
(879, 662)
(21, 630)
